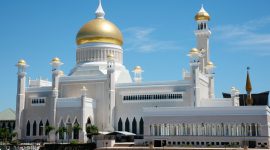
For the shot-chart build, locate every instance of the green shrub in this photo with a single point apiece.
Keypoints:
(74, 142)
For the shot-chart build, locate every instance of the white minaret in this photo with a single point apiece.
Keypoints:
(137, 74)
(56, 73)
(111, 92)
(209, 70)
(202, 35)
(20, 98)
(195, 56)
(83, 112)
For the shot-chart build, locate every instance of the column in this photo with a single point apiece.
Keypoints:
(177, 129)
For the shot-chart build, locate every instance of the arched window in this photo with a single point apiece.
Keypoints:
(120, 125)
(134, 126)
(46, 125)
(9, 127)
(61, 130)
(69, 129)
(141, 126)
(253, 129)
(258, 129)
(40, 128)
(4, 125)
(88, 123)
(76, 129)
(127, 125)
(28, 128)
(34, 128)
(243, 130)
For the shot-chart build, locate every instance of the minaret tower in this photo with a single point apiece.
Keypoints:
(202, 35)
(137, 74)
(195, 56)
(20, 99)
(111, 92)
(249, 100)
(56, 73)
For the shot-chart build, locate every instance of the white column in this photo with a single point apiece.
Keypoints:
(162, 129)
(245, 130)
(177, 129)
(250, 131)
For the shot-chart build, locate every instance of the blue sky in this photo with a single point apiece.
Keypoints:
(157, 35)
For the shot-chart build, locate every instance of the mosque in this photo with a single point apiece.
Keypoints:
(99, 90)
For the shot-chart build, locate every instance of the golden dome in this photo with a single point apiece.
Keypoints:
(210, 63)
(110, 57)
(99, 30)
(137, 69)
(194, 50)
(202, 15)
(21, 62)
(56, 59)
(61, 73)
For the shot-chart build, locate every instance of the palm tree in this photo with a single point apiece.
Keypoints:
(91, 130)
(61, 131)
(48, 129)
(5, 134)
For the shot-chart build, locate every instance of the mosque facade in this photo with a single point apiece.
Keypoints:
(99, 90)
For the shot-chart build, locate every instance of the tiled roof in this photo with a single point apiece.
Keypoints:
(7, 114)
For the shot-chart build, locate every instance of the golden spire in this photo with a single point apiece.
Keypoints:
(249, 99)
(248, 83)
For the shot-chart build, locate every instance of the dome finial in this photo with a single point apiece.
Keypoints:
(100, 12)
(202, 14)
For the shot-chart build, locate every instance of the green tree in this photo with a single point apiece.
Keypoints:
(48, 129)
(91, 131)
(61, 131)
(4, 134)
(76, 128)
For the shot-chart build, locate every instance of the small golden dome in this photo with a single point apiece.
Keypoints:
(210, 63)
(194, 50)
(61, 73)
(110, 56)
(21, 62)
(137, 69)
(202, 15)
(56, 59)
(99, 30)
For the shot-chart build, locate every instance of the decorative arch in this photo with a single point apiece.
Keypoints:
(61, 134)
(127, 125)
(76, 129)
(68, 119)
(120, 125)
(141, 126)
(34, 128)
(134, 126)
(88, 122)
(46, 125)
(40, 128)
(28, 126)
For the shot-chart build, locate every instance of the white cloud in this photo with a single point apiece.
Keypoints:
(141, 39)
(253, 35)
